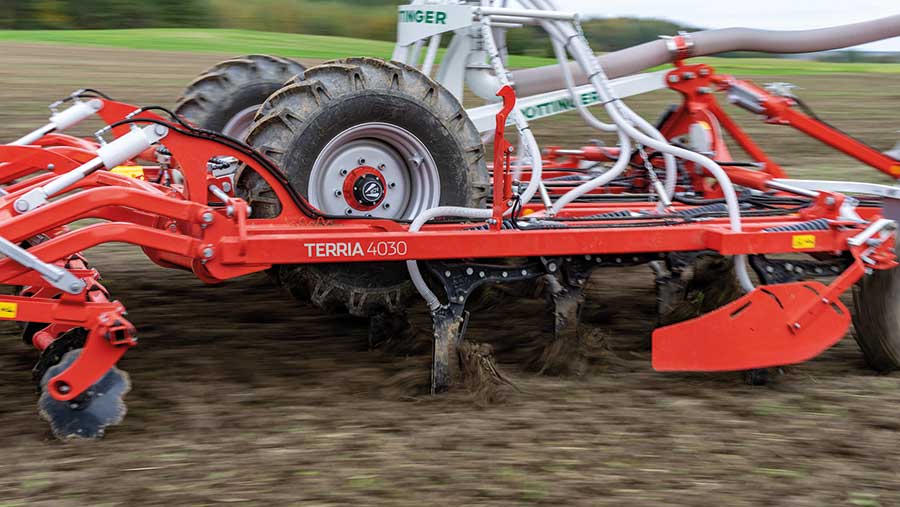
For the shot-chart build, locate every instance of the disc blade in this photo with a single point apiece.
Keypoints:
(90, 414)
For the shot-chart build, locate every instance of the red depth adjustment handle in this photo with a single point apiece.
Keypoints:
(502, 151)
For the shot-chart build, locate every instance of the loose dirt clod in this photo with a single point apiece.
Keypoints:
(481, 376)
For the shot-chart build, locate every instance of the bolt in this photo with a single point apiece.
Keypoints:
(770, 269)
(76, 287)
(382, 167)
(587, 257)
(688, 76)
(481, 274)
(349, 211)
(826, 301)
(208, 252)
(674, 79)
(392, 185)
(63, 388)
(226, 186)
(447, 274)
(461, 299)
(160, 130)
(343, 172)
(469, 271)
(524, 272)
(789, 266)
(796, 325)
(504, 274)
(22, 206)
(361, 161)
(51, 167)
(551, 267)
(704, 90)
(704, 72)
(387, 205)
(338, 193)
(208, 217)
(829, 201)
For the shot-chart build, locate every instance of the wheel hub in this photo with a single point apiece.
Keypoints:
(375, 170)
(364, 188)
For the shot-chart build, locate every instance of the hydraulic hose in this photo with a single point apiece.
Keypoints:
(710, 42)
(622, 116)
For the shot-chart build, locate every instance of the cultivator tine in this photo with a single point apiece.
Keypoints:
(565, 297)
(449, 330)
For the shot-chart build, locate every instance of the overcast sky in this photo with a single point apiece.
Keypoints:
(769, 14)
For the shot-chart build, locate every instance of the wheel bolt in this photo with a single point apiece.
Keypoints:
(361, 161)
(382, 167)
(338, 193)
(387, 206)
(392, 185)
(349, 211)
(343, 172)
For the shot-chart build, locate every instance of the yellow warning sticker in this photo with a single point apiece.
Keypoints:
(132, 171)
(9, 310)
(803, 242)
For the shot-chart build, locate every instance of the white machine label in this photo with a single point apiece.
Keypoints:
(421, 21)
(357, 249)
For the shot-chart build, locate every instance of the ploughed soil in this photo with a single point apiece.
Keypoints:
(243, 396)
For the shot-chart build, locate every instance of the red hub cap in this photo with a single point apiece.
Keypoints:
(364, 188)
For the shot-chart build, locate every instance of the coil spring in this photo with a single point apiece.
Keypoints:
(507, 225)
(820, 224)
(613, 214)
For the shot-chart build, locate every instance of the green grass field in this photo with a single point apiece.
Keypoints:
(325, 47)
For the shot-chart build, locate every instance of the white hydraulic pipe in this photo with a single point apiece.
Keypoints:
(75, 114)
(444, 211)
(525, 133)
(620, 114)
(624, 142)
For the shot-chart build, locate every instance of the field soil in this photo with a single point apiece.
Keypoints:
(242, 395)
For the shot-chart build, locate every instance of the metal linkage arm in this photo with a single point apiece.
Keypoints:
(59, 277)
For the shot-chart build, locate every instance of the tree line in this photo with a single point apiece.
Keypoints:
(367, 19)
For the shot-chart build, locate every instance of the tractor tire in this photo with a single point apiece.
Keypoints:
(227, 97)
(398, 111)
(876, 319)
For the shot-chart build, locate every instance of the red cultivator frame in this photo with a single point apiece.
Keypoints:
(185, 213)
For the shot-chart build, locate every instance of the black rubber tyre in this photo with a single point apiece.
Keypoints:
(299, 120)
(876, 320)
(233, 86)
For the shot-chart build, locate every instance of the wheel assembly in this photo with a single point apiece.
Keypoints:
(877, 319)
(227, 97)
(357, 139)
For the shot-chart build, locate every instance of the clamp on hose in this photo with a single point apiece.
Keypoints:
(680, 46)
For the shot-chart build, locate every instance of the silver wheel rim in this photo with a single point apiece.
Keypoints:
(411, 176)
(239, 125)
